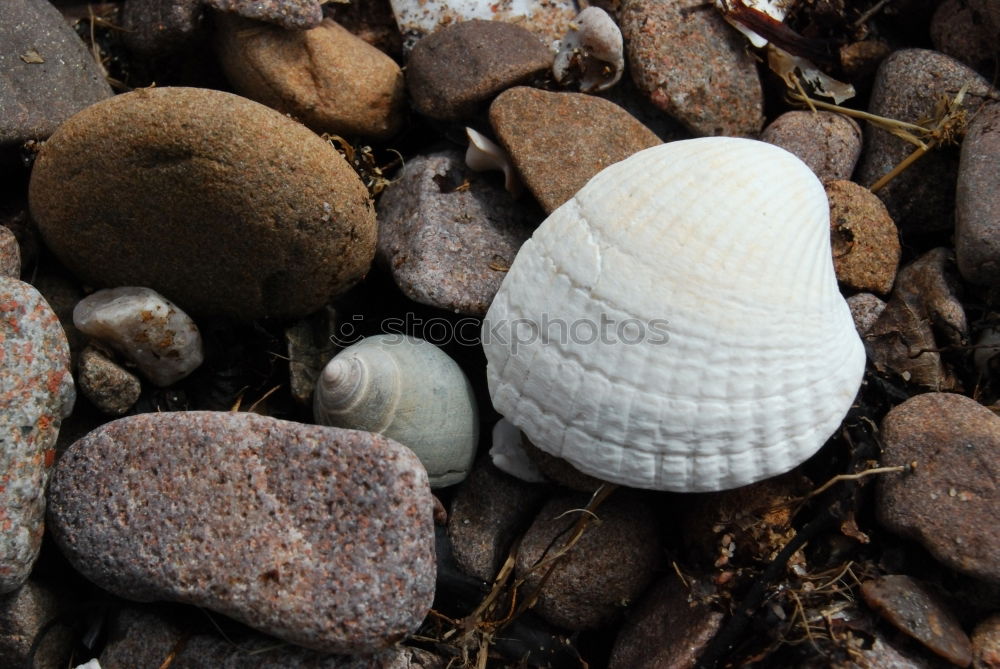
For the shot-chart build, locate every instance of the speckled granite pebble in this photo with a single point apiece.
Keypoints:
(828, 143)
(36, 393)
(109, 387)
(31, 610)
(10, 254)
(977, 200)
(606, 570)
(460, 67)
(47, 73)
(916, 610)
(986, 643)
(865, 310)
(151, 188)
(156, 28)
(693, 65)
(324, 77)
(863, 237)
(907, 87)
(319, 536)
(949, 501)
(289, 14)
(446, 245)
(558, 141)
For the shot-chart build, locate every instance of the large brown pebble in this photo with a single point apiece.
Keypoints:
(977, 200)
(558, 141)
(220, 204)
(917, 611)
(455, 69)
(605, 570)
(320, 536)
(325, 77)
(865, 241)
(828, 143)
(949, 501)
(908, 87)
(693, 65)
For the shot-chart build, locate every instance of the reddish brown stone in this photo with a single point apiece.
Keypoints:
(863, 237)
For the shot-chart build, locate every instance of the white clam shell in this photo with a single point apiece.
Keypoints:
(408, 390)
(677, 325)
(595, 39)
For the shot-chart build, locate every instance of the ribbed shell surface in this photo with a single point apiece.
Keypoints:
(724, 352)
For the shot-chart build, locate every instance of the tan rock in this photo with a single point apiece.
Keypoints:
(864, 238)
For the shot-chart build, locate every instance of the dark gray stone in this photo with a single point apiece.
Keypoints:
(158, 28)
(25, 614)
(977, 200)
(290, 14)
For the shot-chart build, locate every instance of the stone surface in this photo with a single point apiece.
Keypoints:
(490, 509)
(445, 244)
(958, 31)
(907, 87)
(36, 393)
(693, 65)
(986, 644)
(289, 14)
(558, 470)
(325, 77)
(606, 570)
(156, 28)
(923, 315)
(665, 630)
(977, 200)
(828, 143)
(46, 72)
(108, 386)
(319, 536)
(140, 639)
(311, 343)
(26, 613)
(914, 608)
(864, 239)
(457, 69)
(10, 254)
(865, 310)
(949, 501)
(152, 188)
(558, 141)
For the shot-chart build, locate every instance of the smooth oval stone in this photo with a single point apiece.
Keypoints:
(219, 203)
(36, 393)
(320, 536)
(828, 143)
(977, 200)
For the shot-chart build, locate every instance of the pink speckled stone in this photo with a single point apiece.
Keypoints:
(36, 393)
(320, 536)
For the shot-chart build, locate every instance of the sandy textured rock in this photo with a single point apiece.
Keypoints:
(109, 387)
(10, 254)
(865, 241)
(325, 77)
(289, 14)
(319, 536)
(828, 143)
(152, 188)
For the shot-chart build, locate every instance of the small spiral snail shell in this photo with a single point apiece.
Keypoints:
(408, 390)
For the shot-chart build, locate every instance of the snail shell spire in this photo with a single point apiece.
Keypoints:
(677, 324)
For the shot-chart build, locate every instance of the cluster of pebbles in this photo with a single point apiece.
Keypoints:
(179, 262)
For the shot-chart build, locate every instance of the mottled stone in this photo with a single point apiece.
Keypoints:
(319, 536)
(665, 630)
(289, 14)
(449, 245)
(948, 502)
(490, 509)
(311, 343)
(957, 31)
(606, 570)
(863, 237)
(558, 470)
(152, 188)
(10, 254)
(25, 614)
(36, 393)
(865, 310)
(986, 644)
(325, 77)
(558, 141)
(108, 386)
(977, 200)
(828, 143)
(908, 86)
(457, 69)
(694, 66)
(156, 28)
(46, 72)
(917, 611)
(140, 639)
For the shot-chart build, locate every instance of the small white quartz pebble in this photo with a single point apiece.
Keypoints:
(93, 664)
(162, 341)
(509, 456)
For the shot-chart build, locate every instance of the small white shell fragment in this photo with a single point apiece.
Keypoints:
(776, 9)
(508, 455)
(408, 390)
(677, 324)
(92, 664)
(484, 155)
(593, 44)
(145, 327)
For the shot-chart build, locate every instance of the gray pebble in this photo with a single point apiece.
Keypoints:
(10, 254)
(157, 28)
(311, 343)
(865, 310)
(289, 14)
(958, 31)
(26, 613)
(977, 200)
(109, 387)
(828, 143)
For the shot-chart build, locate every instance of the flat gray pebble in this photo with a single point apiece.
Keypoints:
(865, 310)
(289, 14)
(828, 143)
(977, 200)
